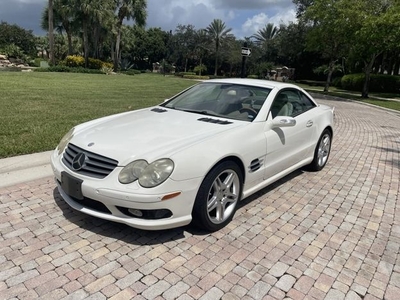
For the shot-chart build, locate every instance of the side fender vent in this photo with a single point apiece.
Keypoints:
(255, 165)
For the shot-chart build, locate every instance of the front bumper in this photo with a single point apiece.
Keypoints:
(116, 199)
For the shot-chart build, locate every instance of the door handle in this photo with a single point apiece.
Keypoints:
(309, 123)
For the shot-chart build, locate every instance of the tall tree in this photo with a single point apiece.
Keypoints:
(264, 40)
(51, 33)
(330, 34)
(264, 35)
(185, 40)
(129, 10)
(64, 21)
(89, 12)
(218, 33)
(13, 34)
(302, 6)
(375, 24)
(201, 46)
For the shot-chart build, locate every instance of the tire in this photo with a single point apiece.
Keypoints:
(322, 151)
(218, 197)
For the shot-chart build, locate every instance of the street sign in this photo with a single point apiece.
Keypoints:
(246, 51)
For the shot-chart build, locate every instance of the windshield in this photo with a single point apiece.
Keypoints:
(232, 101)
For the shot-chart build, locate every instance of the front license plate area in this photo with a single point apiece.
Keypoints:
(72, 186)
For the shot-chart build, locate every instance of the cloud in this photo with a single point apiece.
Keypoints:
(257, 22)
(24, 13)
(199, 13)
(250, 4)
(245, 17)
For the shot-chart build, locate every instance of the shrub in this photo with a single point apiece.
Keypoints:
(196, 77)
(125, 65)
(181, 74)
(252, 76)
(215, 77)
(200, 69)
(76, 61)
(106, 70)
(337, 82)
(12, 50)
(66, 69)
(378, 83)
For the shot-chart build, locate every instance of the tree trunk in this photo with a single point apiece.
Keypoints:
(201, 64)
(117, 53)
(367, 71)
(329, 78)
(117, 50)
(51, 33)
(112, 50)
(69, 38)
(186, 63)
(86, 43)
(216, 58)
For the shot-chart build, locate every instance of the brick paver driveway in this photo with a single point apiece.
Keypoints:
(333, 234)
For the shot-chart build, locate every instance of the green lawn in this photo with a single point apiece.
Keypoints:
(37, 109)
(380, 99)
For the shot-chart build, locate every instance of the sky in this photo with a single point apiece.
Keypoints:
(245, 17)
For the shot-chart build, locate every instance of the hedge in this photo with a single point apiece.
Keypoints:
(76, 61)
(66, 69)
(379, 83)
(196, 77)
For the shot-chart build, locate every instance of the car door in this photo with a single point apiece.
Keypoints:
(287, 146)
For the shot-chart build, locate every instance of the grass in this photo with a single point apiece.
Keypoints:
(386, 100)
(37, 109)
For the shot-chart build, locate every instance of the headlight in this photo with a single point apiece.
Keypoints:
(149, 175)
(64, 141)
(132, 171)
(156, 173)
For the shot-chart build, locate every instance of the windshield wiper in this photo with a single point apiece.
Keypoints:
(202, 112)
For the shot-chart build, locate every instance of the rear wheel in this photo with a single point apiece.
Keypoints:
(322, 151)
(218, 196)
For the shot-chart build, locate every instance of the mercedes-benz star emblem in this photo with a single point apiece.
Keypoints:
(79, 161)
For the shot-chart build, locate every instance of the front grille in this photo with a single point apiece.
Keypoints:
(95, 165)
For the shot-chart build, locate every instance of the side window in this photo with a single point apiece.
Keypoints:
(283, 103)
(304, 104)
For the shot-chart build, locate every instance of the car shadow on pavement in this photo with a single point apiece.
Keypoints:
(271, 187)
(140, 237)
(116, 230)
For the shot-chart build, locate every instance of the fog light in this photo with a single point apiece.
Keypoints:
(135, 212)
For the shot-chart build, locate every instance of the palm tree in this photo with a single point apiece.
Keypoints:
(63, 20)
(264, 35)
(218, 33)
(51, 32)
(202, 45)
(128, 9)
(90, 12)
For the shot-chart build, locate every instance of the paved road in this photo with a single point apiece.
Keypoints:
(333, 234)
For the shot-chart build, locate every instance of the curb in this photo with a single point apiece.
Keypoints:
(19, 169)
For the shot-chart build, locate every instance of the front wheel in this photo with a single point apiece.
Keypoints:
(322, 151)
(218, 196)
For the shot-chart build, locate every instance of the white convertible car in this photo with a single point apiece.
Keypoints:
(193, 157)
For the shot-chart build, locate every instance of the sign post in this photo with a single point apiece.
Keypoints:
(245, 53)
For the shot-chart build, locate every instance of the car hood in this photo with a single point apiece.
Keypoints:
(149, 134)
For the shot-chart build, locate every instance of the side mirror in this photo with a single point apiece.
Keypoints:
(283, 121)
